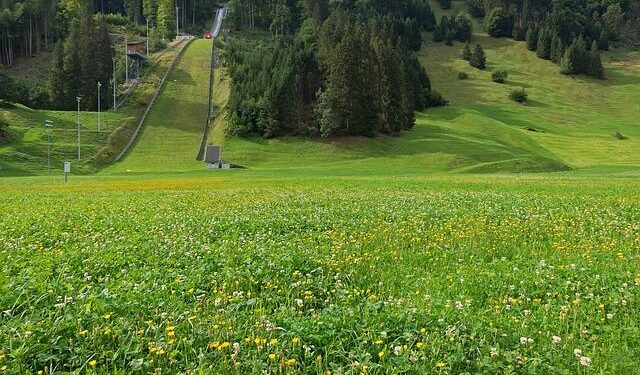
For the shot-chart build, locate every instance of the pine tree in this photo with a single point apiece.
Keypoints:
(478, 59)
(544, 44)
(72, 66)
(87, 52)
(555, 52)
(56, 77)
(466, 52)
(595, 63)
(104, 59)
(581, 56)
(603, 41)
(532, 39)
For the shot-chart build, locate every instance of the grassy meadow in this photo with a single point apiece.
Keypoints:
(242, 273)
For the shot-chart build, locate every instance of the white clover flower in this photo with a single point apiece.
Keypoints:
(556, 340)
(459, 305)
(577, 352)
(397, 350)
(494, 352)
(526, 340)
(299, 302)
(609, 316)
(585, 361)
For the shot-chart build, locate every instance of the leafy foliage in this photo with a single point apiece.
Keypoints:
(499, 76)
(520, 96)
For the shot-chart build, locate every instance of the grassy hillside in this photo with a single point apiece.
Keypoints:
(171, 135)
(26, 153)
(569, 122)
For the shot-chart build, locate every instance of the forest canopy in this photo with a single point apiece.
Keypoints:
(347, 68)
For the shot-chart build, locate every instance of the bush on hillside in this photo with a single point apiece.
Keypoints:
(463, 75)
(519, 96)
(499, 76)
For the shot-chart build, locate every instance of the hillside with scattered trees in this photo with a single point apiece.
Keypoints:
(82, 37)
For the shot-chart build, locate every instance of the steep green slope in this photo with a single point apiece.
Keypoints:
(171, 134)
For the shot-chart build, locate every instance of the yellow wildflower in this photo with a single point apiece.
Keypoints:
(93, 363)
(440, 364)
(107, 316)
(224, 345)
(420, 345)
(170, 328)
(272, 357)
(291, 362)
(381, 354)
(82, 333)
(295, 341)
(378, 342)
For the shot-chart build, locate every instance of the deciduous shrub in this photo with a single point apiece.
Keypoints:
(519, 96)
(499, 76)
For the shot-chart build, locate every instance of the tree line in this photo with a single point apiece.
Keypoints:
(568, 32)
(346, 68)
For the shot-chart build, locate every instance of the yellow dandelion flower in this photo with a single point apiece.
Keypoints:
(291, 362)
(93, 363)
(378, 342)
(440, 364)
(420, 345)
(224, 345)
(160, 352)
(381, 354)
(171, 341)
(364, 369)
(171, 334)
(140, 331)
(107, 316)
(82, 333)
(272, 357)
(214, 345)
(170, 328)
(295, 340)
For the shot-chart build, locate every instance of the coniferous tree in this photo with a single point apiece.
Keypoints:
(478, 59)
(544, 44)
(532, 38)
(466, 52)
(72, 66)
(555, 54)
(567, 65)
(603, 41)
(87, 52)
(595, 63)
(56, 77)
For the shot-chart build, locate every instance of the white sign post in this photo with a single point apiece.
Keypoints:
(67, 170)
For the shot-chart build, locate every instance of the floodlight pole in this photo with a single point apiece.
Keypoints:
(99, 85)
(115, 81)
(48, 124)
(78, 100)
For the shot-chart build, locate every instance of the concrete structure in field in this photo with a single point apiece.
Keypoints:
(213, 158)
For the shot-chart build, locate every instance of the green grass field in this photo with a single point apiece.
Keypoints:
(469, 245)
(247, 274)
